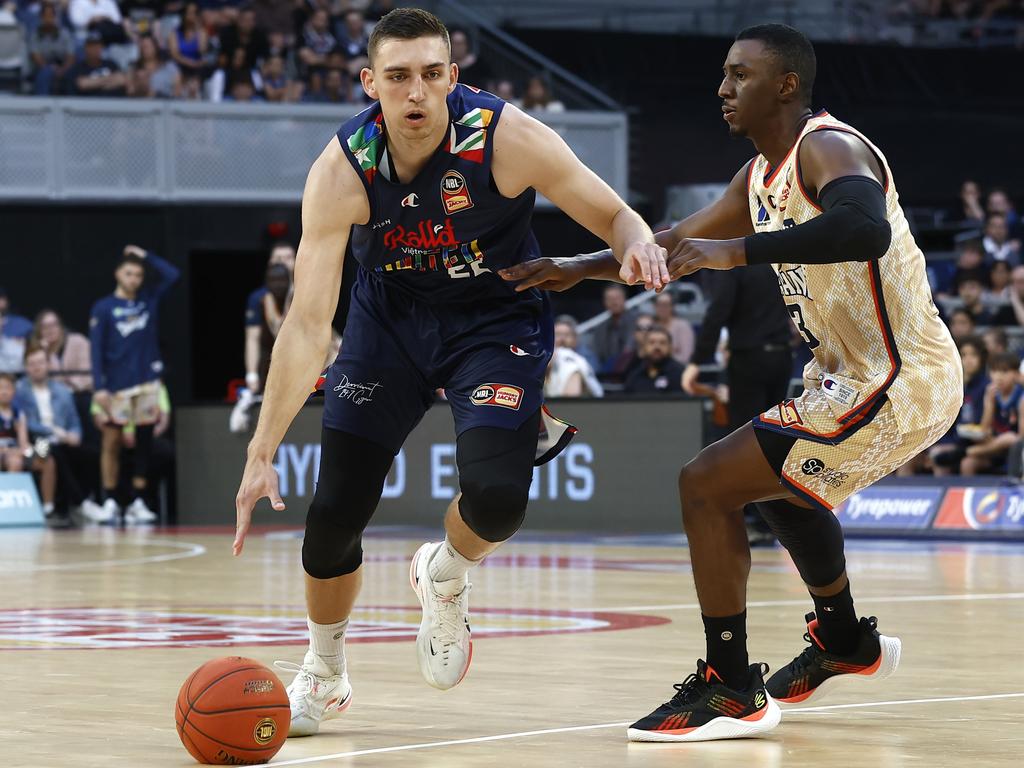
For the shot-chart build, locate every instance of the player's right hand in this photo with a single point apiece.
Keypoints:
(259, 480)
(547, 274)
(690, 375)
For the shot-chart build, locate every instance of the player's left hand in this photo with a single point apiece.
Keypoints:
(134, 250)
(693, 253)
(645, 262)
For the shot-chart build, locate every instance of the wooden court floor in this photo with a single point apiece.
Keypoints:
(575, 638)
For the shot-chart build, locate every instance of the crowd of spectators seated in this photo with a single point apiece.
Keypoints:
(220, 50)
(989, 22)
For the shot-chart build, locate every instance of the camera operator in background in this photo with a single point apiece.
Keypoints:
(264, 312)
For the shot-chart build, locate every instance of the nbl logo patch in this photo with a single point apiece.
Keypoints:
(501, 395)
(455, 192)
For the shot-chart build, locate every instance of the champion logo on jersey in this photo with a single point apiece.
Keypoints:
(517, 351)
(411, 201)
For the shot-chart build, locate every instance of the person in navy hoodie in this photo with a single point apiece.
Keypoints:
(126, 369)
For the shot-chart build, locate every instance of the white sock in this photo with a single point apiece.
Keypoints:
(328, 642)
(48, 508)
(448, 564)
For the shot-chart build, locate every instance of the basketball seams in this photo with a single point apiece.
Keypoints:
(239, 709)
(191, 702)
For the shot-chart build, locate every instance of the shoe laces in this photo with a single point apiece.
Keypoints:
(449, 617)
(305, 681)
(806, 657)
(690, 690)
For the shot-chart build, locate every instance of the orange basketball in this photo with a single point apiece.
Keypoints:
(232, 711)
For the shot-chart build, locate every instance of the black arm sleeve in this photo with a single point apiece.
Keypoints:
(853, 227)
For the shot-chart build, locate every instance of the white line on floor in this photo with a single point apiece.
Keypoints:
(597, 726)
(187, 550)
(861, 599)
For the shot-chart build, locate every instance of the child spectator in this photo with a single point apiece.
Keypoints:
(1002, 418)
(947, 454)
(961, 324)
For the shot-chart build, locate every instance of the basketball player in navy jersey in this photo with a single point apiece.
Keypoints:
(435, 185)
(818, 202)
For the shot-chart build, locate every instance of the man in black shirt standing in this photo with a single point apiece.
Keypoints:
(747, 302)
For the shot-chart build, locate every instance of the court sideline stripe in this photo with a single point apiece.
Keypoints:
(860, 599)
(597, 726)
(189, 550)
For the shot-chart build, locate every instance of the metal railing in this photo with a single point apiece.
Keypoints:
(115, 150)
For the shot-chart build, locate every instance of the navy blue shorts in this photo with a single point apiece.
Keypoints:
(490, 358)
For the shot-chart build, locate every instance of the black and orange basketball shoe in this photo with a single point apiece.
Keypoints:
(815, 671)
(704, 708)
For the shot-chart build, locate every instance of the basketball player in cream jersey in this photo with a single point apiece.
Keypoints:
(819, 203)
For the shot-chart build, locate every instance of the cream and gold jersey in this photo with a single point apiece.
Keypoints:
(872, 326)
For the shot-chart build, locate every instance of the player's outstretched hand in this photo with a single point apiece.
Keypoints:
(645, 263)
(548, 274)
(258, 480)
(693, 253)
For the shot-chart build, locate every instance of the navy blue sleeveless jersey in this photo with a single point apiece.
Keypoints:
(428, 311)
(440, 236)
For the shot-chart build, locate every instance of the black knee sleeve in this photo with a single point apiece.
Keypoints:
(352, 475)
(495, 472)
(813, 537)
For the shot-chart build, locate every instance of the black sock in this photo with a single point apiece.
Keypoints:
(727, 648)
(837, 621)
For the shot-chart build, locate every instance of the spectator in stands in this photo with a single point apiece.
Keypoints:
(658, 372)
(264, 313)
(241, 85)
(12, 350)
(188, 45)
(999, 202)
(947, 454)
(683, 338)
(569, 374)
(472, 71)
(143, 16)
(1013, 314)
(506, 90)
(317, 40)
(14, 442)
(353, 35)
(126, 369)
(611, 338)
(970, 209)
(996, 341)
(1002, 421)
(997, 242)
(961, 324)
(246, 36)
(101, 18)
(969, 262)
(538, 97)
(276, 85)
(154, 77)
(64, 350)
(632, 357)
(14, 326)
(331, 86)
(999, 280)
(54, 427)
(52, 51)
(95, 75)
(276, 17)
(971, 292)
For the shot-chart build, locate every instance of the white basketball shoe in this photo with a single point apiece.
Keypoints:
(316, 694)
(444, 644)
(139, 513)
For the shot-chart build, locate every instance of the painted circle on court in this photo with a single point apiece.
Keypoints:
(200, 626)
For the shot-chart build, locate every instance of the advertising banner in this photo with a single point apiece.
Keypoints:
(982, 509)
(19, 502)
(908, 508)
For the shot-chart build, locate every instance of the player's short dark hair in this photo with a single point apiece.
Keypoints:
(131, 258)
(961, 311)
(791, 48)
(1003, 361)
(407, 24)
(4, 376)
